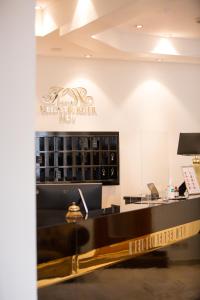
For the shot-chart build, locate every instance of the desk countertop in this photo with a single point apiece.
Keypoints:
(133, 221)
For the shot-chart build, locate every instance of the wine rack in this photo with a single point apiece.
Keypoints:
(77, 157)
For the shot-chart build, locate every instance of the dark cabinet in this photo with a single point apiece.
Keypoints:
(77, 157)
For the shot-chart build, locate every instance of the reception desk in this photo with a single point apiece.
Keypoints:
(68, 250)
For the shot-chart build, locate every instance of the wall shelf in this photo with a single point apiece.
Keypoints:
(77, 157)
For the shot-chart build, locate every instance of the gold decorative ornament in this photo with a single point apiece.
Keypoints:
(73, 214)
(67, 103)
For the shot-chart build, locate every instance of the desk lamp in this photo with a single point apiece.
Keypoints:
(189, 144)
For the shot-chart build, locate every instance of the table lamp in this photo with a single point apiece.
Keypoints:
(189, 144)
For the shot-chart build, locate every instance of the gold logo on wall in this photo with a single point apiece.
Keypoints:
(67, 103)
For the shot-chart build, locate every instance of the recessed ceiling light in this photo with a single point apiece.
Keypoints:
(88, 55)
(139, 26)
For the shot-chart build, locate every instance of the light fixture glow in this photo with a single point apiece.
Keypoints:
(44, 22)
(151, 86)
(88, 55)
(139, 26)
(84, 13)
(165, 46)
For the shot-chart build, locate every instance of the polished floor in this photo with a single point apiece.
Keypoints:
(174, 283)
(170, 273)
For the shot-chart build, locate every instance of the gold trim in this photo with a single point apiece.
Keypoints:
(69, 267)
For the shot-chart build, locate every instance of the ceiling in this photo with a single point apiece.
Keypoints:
(103, 29)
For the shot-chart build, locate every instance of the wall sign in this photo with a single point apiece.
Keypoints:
(67, 103)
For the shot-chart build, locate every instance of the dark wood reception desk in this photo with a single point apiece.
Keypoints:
(67, 250)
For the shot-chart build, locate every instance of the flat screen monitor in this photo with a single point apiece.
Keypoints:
(60, 196)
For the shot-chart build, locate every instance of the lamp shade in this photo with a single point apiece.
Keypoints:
(189, 144)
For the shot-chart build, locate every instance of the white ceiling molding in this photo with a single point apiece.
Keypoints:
(138, 43)
(107, 29)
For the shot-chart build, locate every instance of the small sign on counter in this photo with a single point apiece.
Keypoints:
(191, 181)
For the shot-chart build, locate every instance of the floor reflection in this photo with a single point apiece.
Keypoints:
(171, 273)
(176, 282)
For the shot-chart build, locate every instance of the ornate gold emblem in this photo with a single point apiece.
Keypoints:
(67, 103)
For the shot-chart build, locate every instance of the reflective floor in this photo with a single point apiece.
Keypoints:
(172, 273)
(177, 282)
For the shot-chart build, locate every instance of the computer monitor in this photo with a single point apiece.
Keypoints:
(60, 196)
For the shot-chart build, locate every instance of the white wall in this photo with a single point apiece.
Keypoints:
(148, 103)
(17, 211)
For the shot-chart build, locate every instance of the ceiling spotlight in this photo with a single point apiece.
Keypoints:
(139, 26)
(88, 55)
